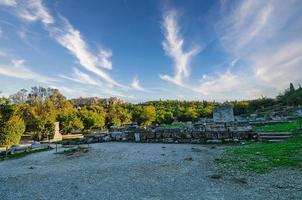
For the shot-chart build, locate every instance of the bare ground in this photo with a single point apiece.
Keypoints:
(138, 171)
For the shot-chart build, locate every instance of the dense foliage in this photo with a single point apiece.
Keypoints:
(11, 125)
(40, 107)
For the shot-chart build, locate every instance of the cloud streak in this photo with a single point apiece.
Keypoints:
(173, 46)
(81, 77)
(253, 31)
(17, 69)
(72, 40)
(137, 86)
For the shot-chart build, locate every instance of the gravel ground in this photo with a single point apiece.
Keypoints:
(138, 171)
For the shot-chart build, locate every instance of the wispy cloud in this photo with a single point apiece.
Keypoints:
(17, 69)
(280, 67)
(30, 10)
(71, 39)
(80, 77)
(253, 31)
(8, 2)
(137, 86)
(173, 46)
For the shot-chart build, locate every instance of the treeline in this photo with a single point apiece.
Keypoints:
(35, 112)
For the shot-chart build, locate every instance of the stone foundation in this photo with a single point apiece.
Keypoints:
(172, 136)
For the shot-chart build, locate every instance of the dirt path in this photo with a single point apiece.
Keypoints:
(137, 171)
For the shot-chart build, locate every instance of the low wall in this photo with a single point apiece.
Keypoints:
(171, 136)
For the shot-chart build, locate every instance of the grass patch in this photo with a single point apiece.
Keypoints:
(173, 125)
(279, 127)
(263, 157)
(21, 154)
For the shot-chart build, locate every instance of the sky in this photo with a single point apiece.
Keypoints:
(152, 49)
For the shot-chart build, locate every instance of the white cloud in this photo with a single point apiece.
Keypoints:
(17, 69)
(68, 37)
(80, 77)
(104, 59)
(259, 33)
(72, 40)
(137, 86)
(173, 46)
(281, 66)
(8, 2)
(30, 10)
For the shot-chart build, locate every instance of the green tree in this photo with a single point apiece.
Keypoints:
(68, 117)
(117, 115)
(164, 117)
(92, 117)
(12, 131)
(147, 115)
(44, 117)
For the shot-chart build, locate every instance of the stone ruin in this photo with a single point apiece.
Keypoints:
(222, 128)
(57, 136)
(223, 114)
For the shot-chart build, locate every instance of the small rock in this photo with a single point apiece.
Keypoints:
(31, 167)
(189, 159)
(163, 147)
(196, 149)
(162, 154)
(241, 180)
(280, 186)
(216, 176)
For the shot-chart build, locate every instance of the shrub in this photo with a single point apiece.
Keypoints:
(12, 131)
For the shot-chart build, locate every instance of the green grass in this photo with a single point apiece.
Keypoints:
(174, 125)
(263, 157)
(279, 127)
(21, 154)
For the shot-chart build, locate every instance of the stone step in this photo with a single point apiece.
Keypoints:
(275, 140)
(274, 133)
(274, 137)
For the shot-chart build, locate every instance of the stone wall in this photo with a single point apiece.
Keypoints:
(223, 114)
(174, 136)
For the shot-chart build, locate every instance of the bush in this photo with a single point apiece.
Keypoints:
(12, 131)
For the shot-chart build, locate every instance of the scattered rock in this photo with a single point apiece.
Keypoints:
(214, 141)
(196, 149)
(280, 186)
(241, 180)
(107, 138)
(189, 159)
(216, 176)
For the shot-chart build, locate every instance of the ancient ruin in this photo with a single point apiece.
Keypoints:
(222, 114)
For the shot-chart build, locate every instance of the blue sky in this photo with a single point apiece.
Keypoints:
(150, 50)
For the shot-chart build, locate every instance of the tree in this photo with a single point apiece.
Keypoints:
(19, 97)
(12, 131)
(44, 117)
(291, 87)
(117, 115)
(164, 117)
(92, 117)
(11, 125)
(68, 117)
(147, 115)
